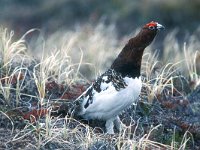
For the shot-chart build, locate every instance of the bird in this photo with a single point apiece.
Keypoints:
(119, 87)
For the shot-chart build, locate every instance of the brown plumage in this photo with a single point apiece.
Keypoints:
(128, 62)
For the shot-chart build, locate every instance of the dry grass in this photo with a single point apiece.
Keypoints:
(186, 53)
(70, 56)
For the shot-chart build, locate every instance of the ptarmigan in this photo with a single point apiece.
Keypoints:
(120, 86)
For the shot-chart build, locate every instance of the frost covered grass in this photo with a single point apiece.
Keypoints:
(69, 57)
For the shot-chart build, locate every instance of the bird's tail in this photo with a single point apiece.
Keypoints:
(75, 108)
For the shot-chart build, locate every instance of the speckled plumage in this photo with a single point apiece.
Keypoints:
(107, 80)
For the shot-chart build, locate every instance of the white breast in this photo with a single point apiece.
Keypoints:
(109, 103)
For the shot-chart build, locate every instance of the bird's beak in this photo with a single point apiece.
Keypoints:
(160, 27)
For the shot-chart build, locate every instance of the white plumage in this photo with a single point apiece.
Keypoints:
(110, 101)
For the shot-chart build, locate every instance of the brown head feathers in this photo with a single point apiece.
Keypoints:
(128, 62)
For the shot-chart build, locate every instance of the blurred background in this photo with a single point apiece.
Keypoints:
(51, 15)
(92, 31)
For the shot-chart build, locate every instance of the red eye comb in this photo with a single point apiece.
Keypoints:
(152, 23)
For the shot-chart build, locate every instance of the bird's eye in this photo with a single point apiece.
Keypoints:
(151, 27)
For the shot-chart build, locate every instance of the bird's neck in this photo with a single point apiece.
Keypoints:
(128, 62)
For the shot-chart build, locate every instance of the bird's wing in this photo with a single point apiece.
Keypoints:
(110, 79)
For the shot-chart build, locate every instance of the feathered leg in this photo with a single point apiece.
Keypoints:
(109, 126)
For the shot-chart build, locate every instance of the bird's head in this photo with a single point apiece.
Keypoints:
(148, 33)
(153, 26)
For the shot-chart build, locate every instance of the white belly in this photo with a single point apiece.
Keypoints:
(110, 103)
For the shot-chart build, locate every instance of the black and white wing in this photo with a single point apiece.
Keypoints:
(110, 79)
